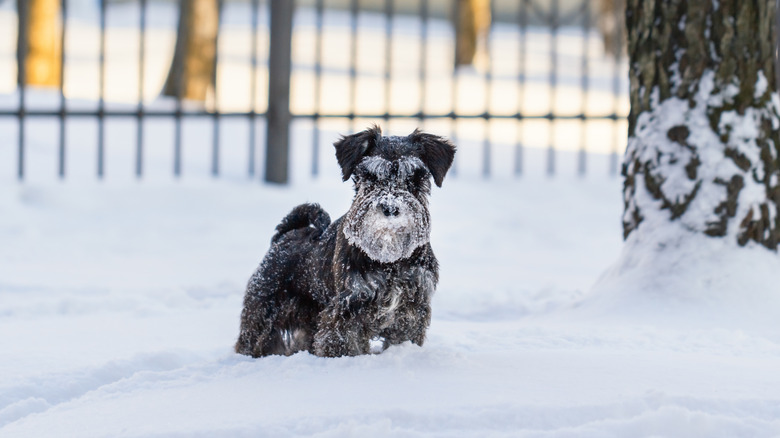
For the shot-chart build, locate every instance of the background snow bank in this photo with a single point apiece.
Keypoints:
(120, 303)
(689, 280)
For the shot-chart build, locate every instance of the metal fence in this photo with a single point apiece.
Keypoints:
(542, 62)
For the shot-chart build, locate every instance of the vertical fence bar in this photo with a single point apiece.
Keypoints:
(62, 112)
(522, 17)
(613, 157)
(424, 18)
(177, 135)
(584, 84)
(454, 93)
(102, 90)
(23, 15)
(486, 146)
(553, 79)
(389, 9)
(279, 67)
(215, 112)
(139, 150)
(253, 90)
(315, 147)
(616, 74)
(353, 48)
(177, 115)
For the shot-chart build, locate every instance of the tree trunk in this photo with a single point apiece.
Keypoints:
(38, 43)
(472, 22)
(703, 140)
(193, 70)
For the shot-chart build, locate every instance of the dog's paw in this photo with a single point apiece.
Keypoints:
(377, 344)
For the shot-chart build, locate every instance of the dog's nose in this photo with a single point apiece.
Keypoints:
(389, 210)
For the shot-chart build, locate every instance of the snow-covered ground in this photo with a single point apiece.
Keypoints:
(120, 303)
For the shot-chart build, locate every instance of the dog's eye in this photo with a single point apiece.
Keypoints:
(417, 179)
(421, 175)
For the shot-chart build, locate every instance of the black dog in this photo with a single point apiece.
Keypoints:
(330, 288)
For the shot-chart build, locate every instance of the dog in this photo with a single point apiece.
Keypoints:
(333, 288)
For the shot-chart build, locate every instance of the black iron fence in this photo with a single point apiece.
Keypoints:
(369, 61)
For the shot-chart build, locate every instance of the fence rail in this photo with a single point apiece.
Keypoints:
(529, 55)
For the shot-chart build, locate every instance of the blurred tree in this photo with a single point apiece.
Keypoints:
(472, 23)
(193, 70)
(38, 43)
(612, 25)
(703, 142)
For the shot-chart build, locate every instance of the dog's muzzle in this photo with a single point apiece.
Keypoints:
(388, 228)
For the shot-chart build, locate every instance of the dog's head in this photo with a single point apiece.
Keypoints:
(389, 217)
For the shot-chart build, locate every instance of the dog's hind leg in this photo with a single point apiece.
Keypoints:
(262, 316)
(258, 335)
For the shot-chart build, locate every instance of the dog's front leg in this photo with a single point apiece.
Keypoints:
(340, 333)
(343, 327)
(410, 324)
(413, 316)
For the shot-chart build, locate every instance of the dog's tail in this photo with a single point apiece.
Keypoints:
(303, 216)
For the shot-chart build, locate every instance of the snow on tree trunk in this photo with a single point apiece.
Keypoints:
(703, 130)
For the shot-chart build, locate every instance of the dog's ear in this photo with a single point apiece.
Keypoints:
(350, 149)
(437, 154)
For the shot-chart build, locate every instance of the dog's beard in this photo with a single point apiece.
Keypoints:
(383, 238)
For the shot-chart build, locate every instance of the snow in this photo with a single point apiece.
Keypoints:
(121, 303)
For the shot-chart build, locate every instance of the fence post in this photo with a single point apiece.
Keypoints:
(23, 13)
(278, 113)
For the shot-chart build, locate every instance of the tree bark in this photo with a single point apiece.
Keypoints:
(193, 70)
(703, 140)
(38, 43)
